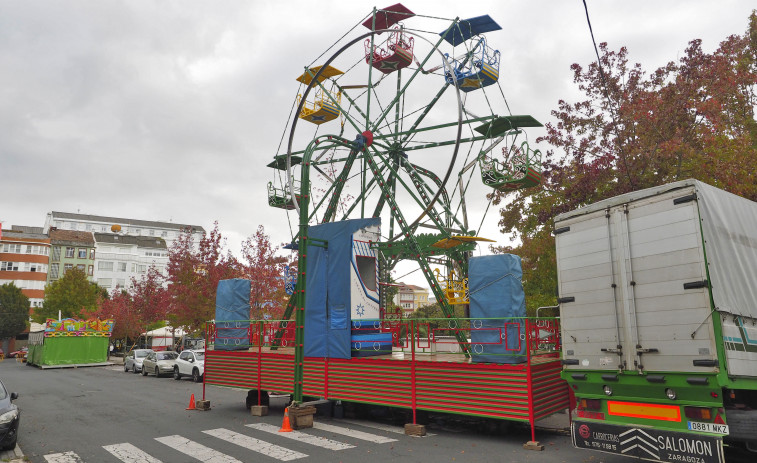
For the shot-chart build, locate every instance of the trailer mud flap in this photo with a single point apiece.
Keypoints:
(648, 444)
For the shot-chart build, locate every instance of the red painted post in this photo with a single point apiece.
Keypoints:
(412, 367)
(207, 331)
(260, 359)
(529, 380)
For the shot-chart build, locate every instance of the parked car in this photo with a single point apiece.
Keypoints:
(133, 359)
(190, 363)
(159, 363)
(19, 353)
(9, 419)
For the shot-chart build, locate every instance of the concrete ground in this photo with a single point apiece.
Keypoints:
(558, 422)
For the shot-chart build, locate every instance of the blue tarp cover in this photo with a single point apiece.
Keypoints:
(368, 345)
(467, 28)
(232, 314)
(327, 299)
(496, 291)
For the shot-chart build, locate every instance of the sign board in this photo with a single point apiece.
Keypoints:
(648, 444)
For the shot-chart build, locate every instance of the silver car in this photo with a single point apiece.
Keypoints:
(134, 359)
(159, 363)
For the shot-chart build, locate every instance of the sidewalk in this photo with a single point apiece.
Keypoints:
(15, 455)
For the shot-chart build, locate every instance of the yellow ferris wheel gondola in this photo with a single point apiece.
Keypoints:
(325, 104)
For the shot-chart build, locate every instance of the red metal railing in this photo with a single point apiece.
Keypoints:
(526, 390)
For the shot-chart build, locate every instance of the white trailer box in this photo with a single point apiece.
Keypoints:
(634, 273)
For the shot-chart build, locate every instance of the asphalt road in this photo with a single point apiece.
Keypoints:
(94, 414)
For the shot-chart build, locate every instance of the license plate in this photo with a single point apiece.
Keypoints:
(708, 427)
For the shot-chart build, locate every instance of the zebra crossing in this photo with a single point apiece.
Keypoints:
(193, 450)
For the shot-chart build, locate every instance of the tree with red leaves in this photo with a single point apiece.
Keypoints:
(265, 270)
(194, 270)
(689, 119)
(128, 323)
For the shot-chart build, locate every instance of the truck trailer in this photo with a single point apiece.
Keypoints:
(658, 310)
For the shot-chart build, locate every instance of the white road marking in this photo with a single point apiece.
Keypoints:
(256, 445)
(382, 427)
(195, 450)
(130, 454)
(302, 437)
(67, 457)
(353, 433)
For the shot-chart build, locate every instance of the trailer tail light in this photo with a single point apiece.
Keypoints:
(587, 408)
(698, 413)
(589, 404)
(644, 410)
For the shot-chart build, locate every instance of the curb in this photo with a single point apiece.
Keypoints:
(12, 456)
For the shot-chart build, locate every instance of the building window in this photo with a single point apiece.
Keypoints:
(80, 267)
(53, 271)
(58, 224)
(67, 267)
(142, 268)
(92, 254)
(88, 227)
(82, 253)
(164, 234)
(105, 282)
(35, 267)
(151, 232)
(91, 270)
(9, 266)
(120, 283)
(70, 252)
(121, 266)
(56, 254)
(104, 265)
(14, 248)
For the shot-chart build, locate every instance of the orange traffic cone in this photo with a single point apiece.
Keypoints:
(285, 426)
(192, 403)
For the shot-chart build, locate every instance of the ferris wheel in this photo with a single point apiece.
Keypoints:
(412, 126)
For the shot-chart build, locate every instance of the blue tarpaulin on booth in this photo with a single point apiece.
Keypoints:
(327, 300)
(232, 314)
(496, 292)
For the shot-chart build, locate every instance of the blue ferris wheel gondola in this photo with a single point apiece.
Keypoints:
(480, 66)
(467, 28)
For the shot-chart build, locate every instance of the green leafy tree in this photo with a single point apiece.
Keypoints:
(73, 295)
(693, 118)
(14, 311)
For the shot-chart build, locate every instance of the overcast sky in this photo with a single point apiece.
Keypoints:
(170, 110)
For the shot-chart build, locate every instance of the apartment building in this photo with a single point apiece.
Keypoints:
(123, 257)
(168, 231)
(411, 297)
(24, 253)
(71, 249)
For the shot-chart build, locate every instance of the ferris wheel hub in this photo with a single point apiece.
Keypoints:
(368, 137)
